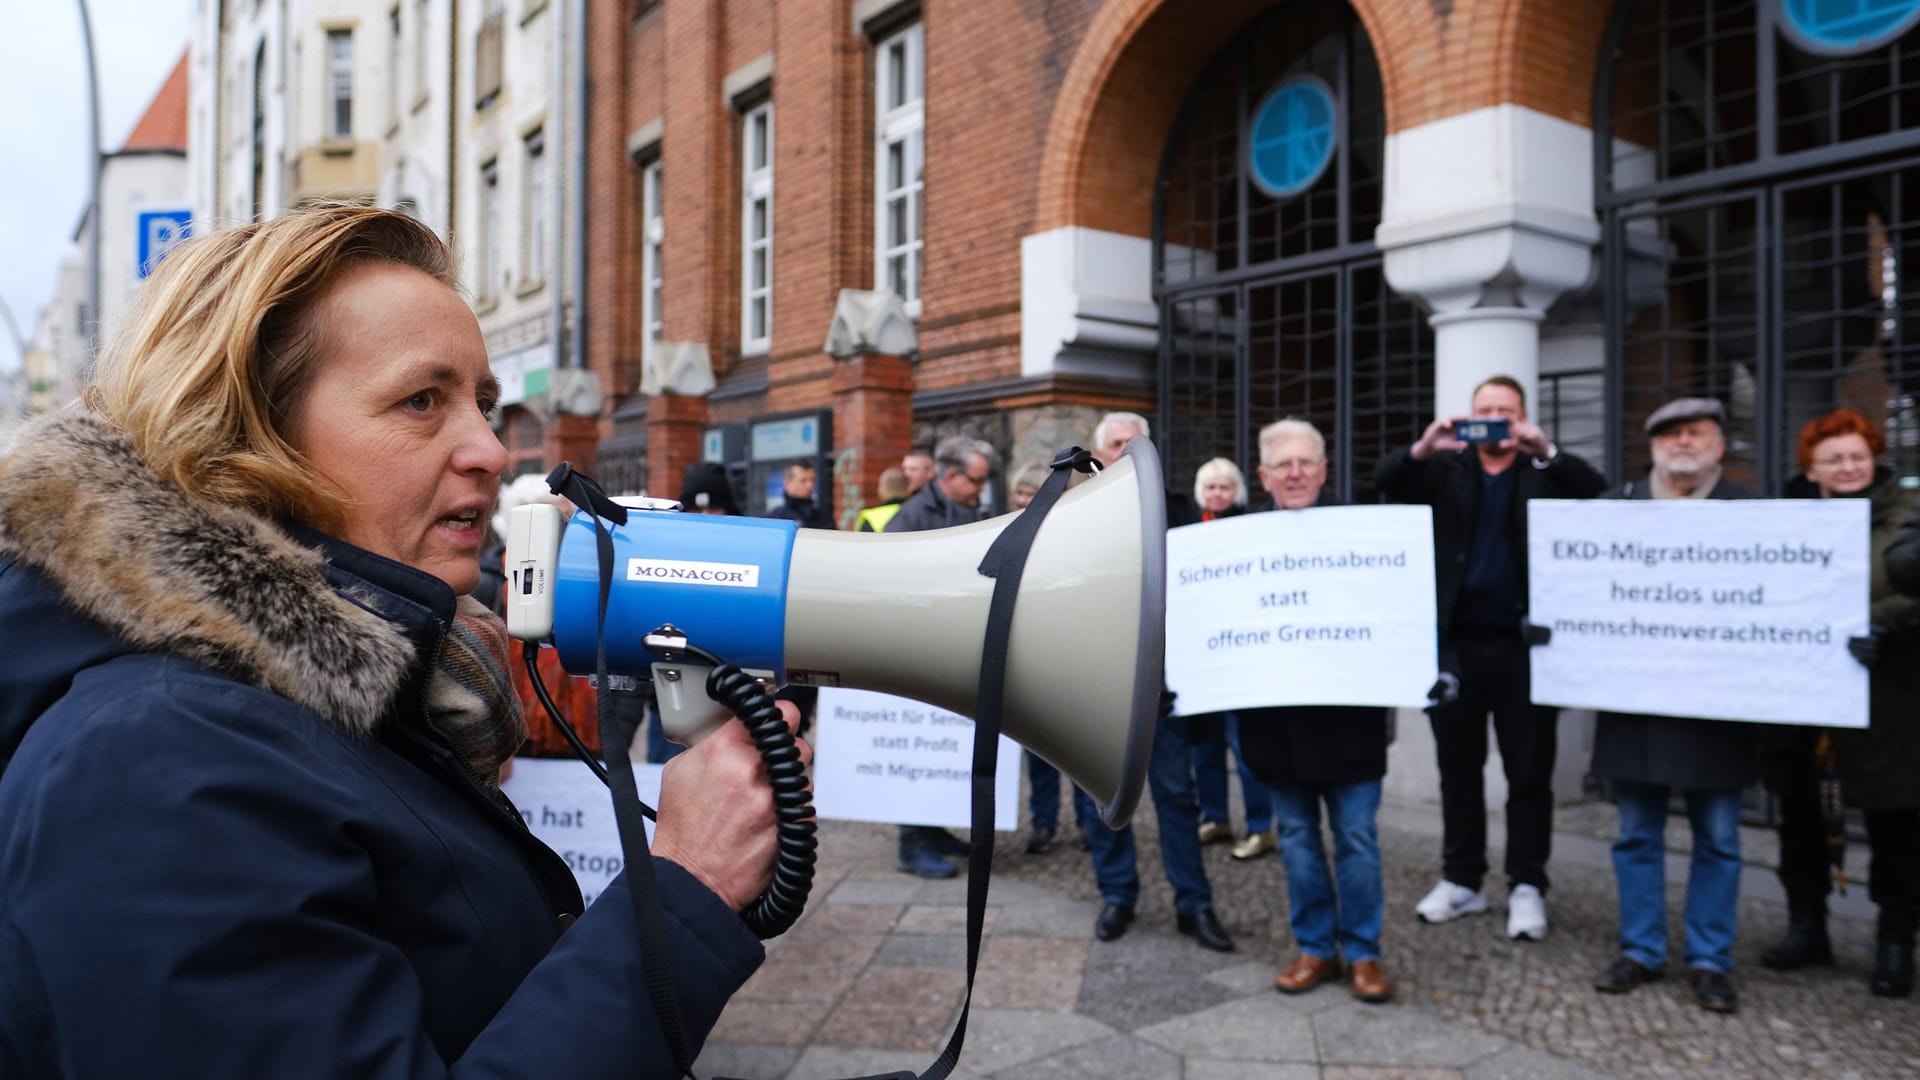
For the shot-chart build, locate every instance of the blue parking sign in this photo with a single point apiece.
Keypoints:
(159, 231)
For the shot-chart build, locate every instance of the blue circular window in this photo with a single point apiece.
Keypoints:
(1843, 27)
(1293, 136)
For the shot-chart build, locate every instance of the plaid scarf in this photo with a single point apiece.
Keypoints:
(470, 698)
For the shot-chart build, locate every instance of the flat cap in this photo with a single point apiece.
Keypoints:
(1680, 410)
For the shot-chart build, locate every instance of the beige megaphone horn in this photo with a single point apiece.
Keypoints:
(898, 613)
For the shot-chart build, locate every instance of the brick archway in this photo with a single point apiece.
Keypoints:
(1138, 59)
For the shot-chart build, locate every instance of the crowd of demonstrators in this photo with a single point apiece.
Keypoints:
(1309, 756)
(1169, 781)
(1479, 493)
(918, 465)
(963, 466)
(1220, 491)
(1816, 774)
(287, 452)
(1709, 762)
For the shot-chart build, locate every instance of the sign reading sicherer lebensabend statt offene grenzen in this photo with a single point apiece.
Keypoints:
(1323, 606)
(1721, 609)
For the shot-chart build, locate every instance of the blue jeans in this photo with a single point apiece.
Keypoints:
(1337, 916)
(1170, 780)
(1043, 791)
(1713, 881)
(1210, 780)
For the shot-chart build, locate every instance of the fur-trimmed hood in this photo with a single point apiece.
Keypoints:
(164, 573)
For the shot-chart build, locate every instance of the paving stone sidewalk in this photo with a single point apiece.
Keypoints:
(872, 978)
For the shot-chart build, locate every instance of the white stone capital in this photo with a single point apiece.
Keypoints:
(1489, 208)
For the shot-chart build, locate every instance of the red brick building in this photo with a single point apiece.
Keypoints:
(1220, 213)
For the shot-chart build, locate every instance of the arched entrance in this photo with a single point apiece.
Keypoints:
(1271, 295)
(1758, 182)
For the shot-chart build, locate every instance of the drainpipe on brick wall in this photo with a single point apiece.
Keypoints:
(579, 349)
(560, 132)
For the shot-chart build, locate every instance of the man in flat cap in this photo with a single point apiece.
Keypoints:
(1645, 758)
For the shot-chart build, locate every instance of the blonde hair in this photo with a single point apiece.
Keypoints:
(1219, 468)
(212, 366)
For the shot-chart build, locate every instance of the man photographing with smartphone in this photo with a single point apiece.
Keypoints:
(1477, 472)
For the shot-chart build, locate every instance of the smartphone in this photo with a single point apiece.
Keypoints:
(1481, 430)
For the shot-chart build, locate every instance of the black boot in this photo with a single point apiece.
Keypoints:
(1806, 940)
(1893, 956)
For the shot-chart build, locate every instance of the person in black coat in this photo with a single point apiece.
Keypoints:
(1479, 494)
(962, 468)
(1309, 755)
(251, 728)
(798, 503)
(1710, 762)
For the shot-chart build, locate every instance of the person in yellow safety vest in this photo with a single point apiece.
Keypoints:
(893, 488)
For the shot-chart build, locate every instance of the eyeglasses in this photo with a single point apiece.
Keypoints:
(1283, 467)
(978, 481)
(1838, 460)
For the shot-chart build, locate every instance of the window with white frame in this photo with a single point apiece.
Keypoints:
(489, 229)
(756, 228)
(536, 210)
(422, 16)
(393, 66)
(900, 103)
(340, 84)
(652, 247)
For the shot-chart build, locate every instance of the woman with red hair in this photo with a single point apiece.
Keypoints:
(1879, 768)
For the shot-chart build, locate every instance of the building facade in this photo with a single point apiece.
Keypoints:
(1221, 214)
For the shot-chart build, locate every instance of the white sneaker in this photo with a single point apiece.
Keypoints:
(1448, 901)
(1526, 914)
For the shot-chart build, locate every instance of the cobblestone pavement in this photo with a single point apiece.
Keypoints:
(871, 977)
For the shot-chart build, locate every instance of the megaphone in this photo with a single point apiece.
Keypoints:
(898, 613)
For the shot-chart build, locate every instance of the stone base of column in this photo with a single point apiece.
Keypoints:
(1474, 345)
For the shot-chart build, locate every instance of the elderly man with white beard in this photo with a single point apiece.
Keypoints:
(1645, 758)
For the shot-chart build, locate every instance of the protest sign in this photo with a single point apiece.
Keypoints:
(570, 810)
(1724, 609)
(877, 757)
(1325, 606)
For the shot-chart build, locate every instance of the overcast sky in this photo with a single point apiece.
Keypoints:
(43, 128)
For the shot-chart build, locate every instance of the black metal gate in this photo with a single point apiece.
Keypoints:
(1272, 299)
(1757, 192)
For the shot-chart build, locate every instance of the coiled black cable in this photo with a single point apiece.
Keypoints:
(776, 910)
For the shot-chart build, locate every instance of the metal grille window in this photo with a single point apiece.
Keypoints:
(536, 209)
(756, 228)
(652, 257)
(340, 84)
(899, 152)
(490, 269)
(258, 140)
(1759, 198)
(1272, 298)
(422, 11)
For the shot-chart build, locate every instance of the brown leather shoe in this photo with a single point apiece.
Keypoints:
(1370, 982)
(1305, 973)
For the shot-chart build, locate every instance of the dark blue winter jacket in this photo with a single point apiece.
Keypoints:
(231, 845)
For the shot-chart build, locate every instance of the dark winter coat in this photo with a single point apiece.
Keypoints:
(808, 513)
(1902, 556)
(1880, 767)
(231, 845)
(1678, 752)
(1315, 744)
(1450, 483)
(929, 508)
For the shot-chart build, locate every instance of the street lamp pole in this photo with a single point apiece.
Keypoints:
(93, 194)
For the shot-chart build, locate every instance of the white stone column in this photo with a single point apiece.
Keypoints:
(1488, 219)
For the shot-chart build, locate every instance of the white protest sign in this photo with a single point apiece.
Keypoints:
(570, 810)
(1724, 609)
(882, 758)
(1324, 606)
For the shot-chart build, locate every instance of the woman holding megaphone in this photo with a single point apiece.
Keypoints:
(251, 727)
